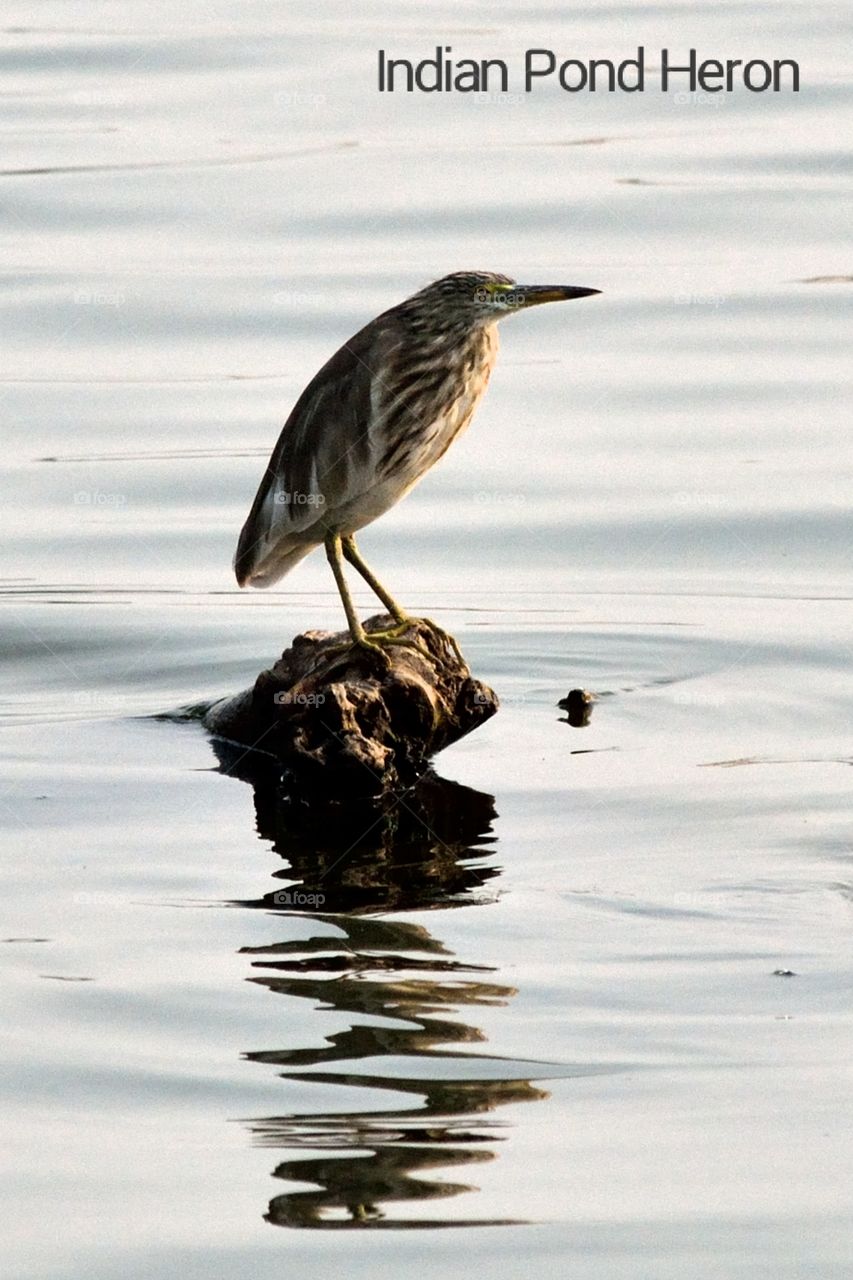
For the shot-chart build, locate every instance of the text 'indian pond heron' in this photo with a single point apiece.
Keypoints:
(373, 421)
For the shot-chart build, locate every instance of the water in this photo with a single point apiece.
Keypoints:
(595, 1014)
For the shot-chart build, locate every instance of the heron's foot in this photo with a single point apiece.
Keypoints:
(405, 621)
(388, 635)
(374, 643)
(394, 635)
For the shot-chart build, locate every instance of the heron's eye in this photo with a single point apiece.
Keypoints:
(490, 291)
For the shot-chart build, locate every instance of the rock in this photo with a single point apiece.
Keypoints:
(348, 722)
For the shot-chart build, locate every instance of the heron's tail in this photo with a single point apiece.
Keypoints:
(257, 565)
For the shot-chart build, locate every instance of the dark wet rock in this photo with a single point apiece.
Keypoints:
(347, 722)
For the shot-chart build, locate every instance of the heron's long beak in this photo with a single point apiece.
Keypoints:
(532, 294)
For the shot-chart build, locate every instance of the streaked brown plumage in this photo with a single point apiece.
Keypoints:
(373, 421)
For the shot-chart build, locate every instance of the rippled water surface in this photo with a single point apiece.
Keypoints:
(587, 1000)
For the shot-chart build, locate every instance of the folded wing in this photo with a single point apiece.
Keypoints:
(323, 460)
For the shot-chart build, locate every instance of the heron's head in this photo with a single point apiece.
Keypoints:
(482, 297)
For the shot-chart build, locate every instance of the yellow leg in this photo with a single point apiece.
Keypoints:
(396, 610)
(336, 548)
(352, 554)
(333, 553)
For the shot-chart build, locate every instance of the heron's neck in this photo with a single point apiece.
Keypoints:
(471, 354)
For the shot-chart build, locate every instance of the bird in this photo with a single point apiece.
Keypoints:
(370, 424)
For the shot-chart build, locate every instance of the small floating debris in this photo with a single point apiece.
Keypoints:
(578, 704)
(64, 977)
(732, 764)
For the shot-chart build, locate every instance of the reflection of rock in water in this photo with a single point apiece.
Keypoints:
(396, 985)
(394, 973)
(419, 848)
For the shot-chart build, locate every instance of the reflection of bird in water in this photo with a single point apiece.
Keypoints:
(378, 971)
(372, 422)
